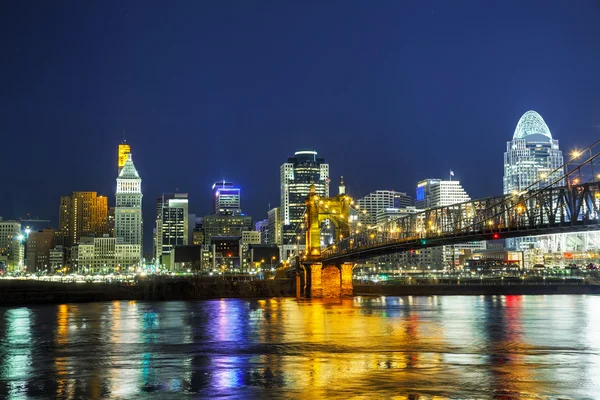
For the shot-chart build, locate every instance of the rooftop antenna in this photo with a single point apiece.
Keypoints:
(124, 141)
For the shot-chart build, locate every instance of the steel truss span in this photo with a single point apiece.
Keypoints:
(551, 210)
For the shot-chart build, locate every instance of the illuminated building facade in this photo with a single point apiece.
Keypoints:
(296, 177)
(111, 221)
(379, 200)
(274, 226)
(225, 225)
(124, 150)
(172, 223)
(226, 198)
(531, 156)
(56, 259)
(432, 193)
(12, 253)
(389, 214)
(39, 244)
(128, 206)
(263, 228)
(81, 214)
(248, 238)
(105, 255)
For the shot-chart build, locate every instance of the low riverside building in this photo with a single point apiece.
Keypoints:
(490, 259)
(193, 258)
(105, 255)
(248, 238)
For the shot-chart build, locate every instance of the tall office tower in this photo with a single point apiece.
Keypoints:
(297, 175)
(124, 149)
(433, 193)
(39, 244)
(81, 214)
(12, 255)
(380, 200)
(534, 156)
(531, 156)
(274, 228)
(128, 205)
(172, 223)
(226, 198)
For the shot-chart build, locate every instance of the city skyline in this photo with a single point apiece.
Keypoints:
(148, 232)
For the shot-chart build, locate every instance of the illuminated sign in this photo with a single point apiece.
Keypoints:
(228, 192)
(124, 149)
(420, 193)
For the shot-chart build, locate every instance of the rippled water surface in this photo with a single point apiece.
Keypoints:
(395, 347)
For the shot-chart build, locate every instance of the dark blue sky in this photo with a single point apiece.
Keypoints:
(389, 92)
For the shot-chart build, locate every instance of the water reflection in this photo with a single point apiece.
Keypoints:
(377, 347)
(16, 352)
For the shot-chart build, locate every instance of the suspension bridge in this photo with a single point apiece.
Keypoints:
(565, 200)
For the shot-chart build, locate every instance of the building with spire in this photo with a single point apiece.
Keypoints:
(128, 206)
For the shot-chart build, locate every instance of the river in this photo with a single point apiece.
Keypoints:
(456, 347)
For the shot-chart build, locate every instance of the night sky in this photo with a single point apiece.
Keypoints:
(388, 92)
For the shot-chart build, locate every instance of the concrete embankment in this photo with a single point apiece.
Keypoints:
(17, 292)
(431, 290)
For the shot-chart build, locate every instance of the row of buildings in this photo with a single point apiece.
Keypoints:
(90, 236)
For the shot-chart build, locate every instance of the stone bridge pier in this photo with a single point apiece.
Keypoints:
(318, 280)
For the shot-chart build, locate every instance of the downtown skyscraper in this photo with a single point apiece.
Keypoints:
(297, 176)
(532, 160)
(226, 198)
(172, 223)
(531, 156)
(128, 205)
(81, 214)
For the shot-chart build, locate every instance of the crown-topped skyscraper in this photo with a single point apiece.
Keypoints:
(124, 149)
(128, 210)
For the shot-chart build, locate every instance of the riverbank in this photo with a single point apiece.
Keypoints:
(17, 292)
(440, 290)
(20, 292)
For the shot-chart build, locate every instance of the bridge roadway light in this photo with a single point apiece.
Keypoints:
(575, 154)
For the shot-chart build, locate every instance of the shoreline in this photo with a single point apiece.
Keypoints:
(473, 290)
(16, 293)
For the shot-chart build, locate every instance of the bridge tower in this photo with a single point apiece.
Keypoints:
(315, 279)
